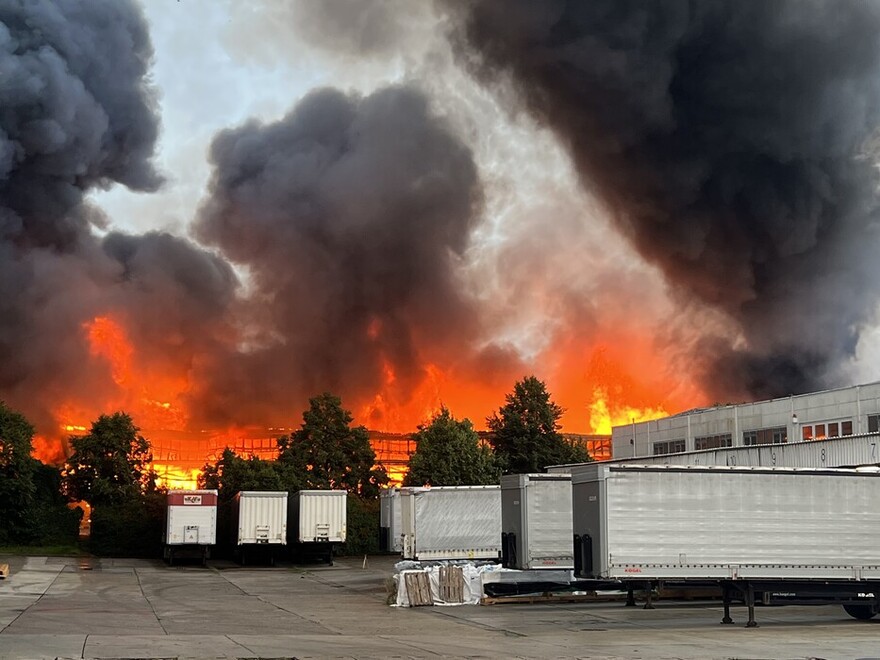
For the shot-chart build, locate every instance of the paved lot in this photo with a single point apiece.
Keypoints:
(67, 608)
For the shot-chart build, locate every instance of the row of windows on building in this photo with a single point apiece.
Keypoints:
(773, 436)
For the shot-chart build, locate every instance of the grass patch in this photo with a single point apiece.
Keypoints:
(43, 550)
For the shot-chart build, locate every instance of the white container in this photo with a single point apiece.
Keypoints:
(319, 516)
(389, 520)
(722, 523)
(191, 517)
(451, 522)
(536, 521)
(260, 517)
(190, 524)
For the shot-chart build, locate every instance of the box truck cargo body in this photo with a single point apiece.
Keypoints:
(451, 522)
(741, 528)
(536, 521)
(318, 521)
(190, 523)
(389, 520)
(260, 523)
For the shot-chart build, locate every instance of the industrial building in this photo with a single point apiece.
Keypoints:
(837, 413)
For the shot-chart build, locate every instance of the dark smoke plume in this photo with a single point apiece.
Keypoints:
(730, 142)
(349, 215)
(78, 111)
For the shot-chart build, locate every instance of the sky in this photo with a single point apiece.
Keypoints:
(220, 64)
(415, 204)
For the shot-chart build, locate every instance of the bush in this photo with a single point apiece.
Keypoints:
(51, 521)
(362, 527)
(129, 529)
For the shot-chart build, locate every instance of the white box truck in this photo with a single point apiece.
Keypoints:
(536, 521)
(318, 521)
(259, 519)
(785, 534)
(389, 520)
(190, 524)
(451, 522)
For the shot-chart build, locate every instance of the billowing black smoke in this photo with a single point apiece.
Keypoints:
(731, 142)
(349, 215)
(77, 111)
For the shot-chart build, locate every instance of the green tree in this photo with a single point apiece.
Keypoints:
(329, 453)
(232, 474)
(110, 464)
(17, 487)
(32, 509)
(448, 453)
(525, 431)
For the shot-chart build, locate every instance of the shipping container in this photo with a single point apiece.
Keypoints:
(259, 521)
(536, 521)
(746, 529)
(190, 524)
(318, 522)
(451, 522)
(389, 520)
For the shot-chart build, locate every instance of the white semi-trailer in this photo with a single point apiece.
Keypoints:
(536, 521)
(451, 522)
(318, 520)
(795, 534)
(190, 524)
(260, 523)
(389, 520)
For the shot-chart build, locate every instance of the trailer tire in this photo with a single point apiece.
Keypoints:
(862, 612)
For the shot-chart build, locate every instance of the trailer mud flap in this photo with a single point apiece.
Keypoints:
(583, 555)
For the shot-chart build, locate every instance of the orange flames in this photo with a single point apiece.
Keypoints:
(599, 386)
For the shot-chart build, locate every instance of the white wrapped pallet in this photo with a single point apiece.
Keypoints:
(451, 522)
(536, 521)
(190, 523)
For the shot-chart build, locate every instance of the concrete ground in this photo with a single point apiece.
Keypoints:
(114, 608)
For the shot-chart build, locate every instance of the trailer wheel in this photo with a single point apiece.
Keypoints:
(862, 612)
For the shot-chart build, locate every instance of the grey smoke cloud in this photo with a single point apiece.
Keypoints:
(78, 111)
(727, 140)
(350, 214)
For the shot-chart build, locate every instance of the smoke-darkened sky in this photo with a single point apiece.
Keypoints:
(414, 203)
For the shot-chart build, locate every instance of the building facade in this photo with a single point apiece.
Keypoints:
(816, 416)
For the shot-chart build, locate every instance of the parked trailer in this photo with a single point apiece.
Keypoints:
(451, 522)
(190, 524)
(787, 534)
(260, 522)
(389, 520)
(318, 522)
(536, 521)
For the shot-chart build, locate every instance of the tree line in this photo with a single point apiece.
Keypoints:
(110, 467)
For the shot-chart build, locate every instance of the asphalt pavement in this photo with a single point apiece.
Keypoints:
(61, 607)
